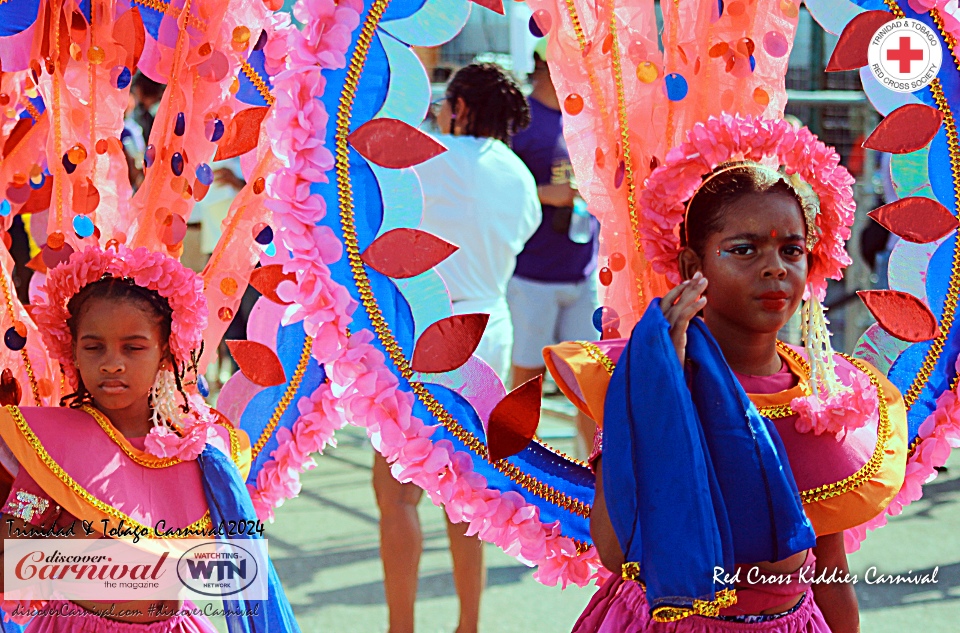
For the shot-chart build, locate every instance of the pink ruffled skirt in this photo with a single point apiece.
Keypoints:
(76, 620)
(621, 607)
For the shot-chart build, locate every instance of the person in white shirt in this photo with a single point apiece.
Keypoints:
(480, 196)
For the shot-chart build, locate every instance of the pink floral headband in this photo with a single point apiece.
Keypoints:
(180, 286)
(663, 201)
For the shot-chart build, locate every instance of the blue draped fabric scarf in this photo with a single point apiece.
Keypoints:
(696, 479)
(229, 500)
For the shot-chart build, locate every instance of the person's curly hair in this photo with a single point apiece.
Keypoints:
(495, 106)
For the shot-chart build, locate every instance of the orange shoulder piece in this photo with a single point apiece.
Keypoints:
(582, 371)
(867, 492)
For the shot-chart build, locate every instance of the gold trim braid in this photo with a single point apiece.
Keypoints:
(203, 523)
(706, 608)
(365, 292)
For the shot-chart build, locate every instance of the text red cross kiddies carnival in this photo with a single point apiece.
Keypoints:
(905, 55)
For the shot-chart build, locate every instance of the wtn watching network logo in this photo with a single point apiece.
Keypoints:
(218, 568)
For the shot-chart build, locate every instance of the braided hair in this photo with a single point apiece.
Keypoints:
(495, 106)
(122, 290)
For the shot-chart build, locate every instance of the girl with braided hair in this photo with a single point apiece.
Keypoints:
(479, 196)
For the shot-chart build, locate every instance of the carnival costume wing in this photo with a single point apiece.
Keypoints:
(916, 340)
(352, 297)
(357, 274)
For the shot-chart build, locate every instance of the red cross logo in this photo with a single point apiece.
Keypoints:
(905, 55)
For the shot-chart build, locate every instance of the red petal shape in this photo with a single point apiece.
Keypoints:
(266, 279)
(39, 199)
(917, 219)
(403, 253)
(851, 50)
(16, 135)
(394, 144)
(906, 129)
(130, 34)
(514, 420)
(901, 314)
(258, 363)
(37, 264)
(242, 133)
(86, 197)
(448, 343)
(494, 5)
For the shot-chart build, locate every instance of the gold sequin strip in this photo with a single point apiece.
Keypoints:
(953, 290)
(61, 177)
(203, 523)
(870, 469)
(32, 109)
(8, 299)
(706, 608)
(597, 354)
(291, 391)
(389, 342)
(146, 460)
(257, 81)
(167, 9)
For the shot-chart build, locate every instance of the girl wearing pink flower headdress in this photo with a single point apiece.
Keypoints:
(155, 460)
(767, 452)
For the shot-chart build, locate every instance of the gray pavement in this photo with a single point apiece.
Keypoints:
(325, 547)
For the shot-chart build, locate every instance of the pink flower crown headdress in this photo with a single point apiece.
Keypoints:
(180, 286)
(732, 138)
(780, 151)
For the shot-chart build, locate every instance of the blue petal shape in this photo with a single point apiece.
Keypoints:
(256, 416)
(398, 9)
(908, 365)
(402, 198)
(427, 296)
(408, 94)
(248, 92)
(436, 23)
(16, 17)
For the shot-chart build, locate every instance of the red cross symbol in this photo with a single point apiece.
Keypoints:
(905, 55)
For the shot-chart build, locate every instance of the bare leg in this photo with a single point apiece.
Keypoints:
(523, 374)
(401, 543)
(469, 574)
(585, 426)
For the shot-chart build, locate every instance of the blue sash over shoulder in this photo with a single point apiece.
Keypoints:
(697, 480)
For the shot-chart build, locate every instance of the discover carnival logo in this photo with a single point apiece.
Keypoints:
(905, 55)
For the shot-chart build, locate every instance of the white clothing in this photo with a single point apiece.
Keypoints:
(480, 196)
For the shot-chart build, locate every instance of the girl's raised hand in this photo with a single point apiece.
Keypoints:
(679, 306)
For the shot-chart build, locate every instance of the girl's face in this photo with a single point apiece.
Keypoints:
(118, 353)
(756, 265)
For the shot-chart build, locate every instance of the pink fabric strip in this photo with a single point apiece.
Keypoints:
(147, 495)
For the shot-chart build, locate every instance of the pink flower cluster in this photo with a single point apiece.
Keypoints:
(369, 398)
(948, 9)
(734, 137)
(361, 390)
(938, 434)
(846, 410)
(195, 429)
(180, 286)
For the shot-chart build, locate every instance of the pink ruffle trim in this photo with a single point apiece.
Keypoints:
(361, 390)
(180, 286)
